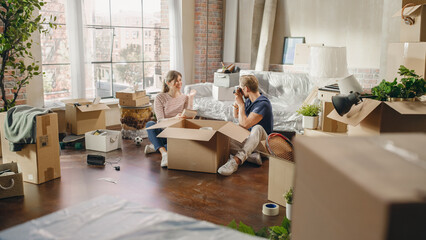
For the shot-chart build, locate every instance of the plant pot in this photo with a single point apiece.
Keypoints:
(288, 211)
(392, 99)
(310, 122)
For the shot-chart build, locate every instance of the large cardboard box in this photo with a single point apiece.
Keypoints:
(353, 188)
(130, 94)
(106, 141)
(84, 118)
(137, 102)
(226, 79)
(194, 149)
(11, 185)
(417, 31)
(411, 55)
(38, 162)
(223, 93)
(281, 176)
(372, 117)
(62, 122)
(416, 2)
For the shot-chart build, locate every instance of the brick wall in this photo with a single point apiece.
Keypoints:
(208, 39)
(9, 82)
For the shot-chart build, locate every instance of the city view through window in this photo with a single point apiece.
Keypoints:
(126, 44)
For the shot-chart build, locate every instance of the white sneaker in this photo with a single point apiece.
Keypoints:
(229, 167)
(149, 149)
(164, 160)
(255, 158)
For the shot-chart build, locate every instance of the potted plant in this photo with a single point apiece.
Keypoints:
(310, 115)
(19, 23)
(289, 201)
(410, 87)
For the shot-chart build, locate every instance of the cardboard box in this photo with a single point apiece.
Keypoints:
(411, 55)
(194, 149)
(62, 123)
(302, 53)
(328, 124)
(372, 117)
(281, 177)
(106, 141)
(226, 79)
(137, 102)
(38, 162)
(130, 94)
(416, 2)
(360, 188)
(11, 185)
(84, 118)
(223, 93)
(417, 31)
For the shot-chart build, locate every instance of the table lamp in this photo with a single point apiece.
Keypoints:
(327, 65)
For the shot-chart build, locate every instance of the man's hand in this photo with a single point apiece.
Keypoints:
(239, 99)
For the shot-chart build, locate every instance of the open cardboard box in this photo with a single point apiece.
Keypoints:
(417, 31)
(84, 118)
(372, 117)
(194, 149)
(280, 179)
(11, 185)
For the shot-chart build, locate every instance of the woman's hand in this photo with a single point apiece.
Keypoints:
(192, 93)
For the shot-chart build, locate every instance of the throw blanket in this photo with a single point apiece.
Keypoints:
(19, 127)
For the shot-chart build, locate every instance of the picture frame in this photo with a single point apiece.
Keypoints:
(289, 49)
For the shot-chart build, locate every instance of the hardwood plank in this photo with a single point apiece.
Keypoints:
(203, 196)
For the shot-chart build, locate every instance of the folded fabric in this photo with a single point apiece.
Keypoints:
(19, 127)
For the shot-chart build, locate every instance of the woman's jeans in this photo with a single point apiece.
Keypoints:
(152, 135)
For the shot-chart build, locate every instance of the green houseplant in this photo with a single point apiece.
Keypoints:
(281, 232)
(310, 115)
(289, 202)
(409, 87)
(18, 22)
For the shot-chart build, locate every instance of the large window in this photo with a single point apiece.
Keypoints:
(126, 43)
(55, 53)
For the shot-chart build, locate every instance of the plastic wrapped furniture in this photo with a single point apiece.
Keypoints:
(286, 91)
(109, 217)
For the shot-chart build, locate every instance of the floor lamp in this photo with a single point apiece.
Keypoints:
(327, 65)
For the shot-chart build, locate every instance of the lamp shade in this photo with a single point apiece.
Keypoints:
(328, 62)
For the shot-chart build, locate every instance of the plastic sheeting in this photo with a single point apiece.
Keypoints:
(286, 91)
(110, 217)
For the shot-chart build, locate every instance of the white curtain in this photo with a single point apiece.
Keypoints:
(176, 46)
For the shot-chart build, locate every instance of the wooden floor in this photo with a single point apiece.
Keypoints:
(203, 196)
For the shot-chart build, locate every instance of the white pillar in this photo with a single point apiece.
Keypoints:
(255, 32)
(230, 38)
(268, 21)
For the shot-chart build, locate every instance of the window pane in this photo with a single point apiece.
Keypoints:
(156, 44)
(54, 46)
(99, 43)
(153, 75)
(96, 12)
(126, 14)
(56, 82)
(127, 45)
(54, 8)
(127, 74)
(155, 13)
(102, 78)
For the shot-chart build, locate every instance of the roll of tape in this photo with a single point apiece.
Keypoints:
(271, 209)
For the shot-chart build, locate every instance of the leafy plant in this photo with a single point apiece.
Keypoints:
(410, 86)
(274, 232)
(310, 110)
(19, 23)
(289, 196)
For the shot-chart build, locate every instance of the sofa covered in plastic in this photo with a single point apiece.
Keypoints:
(286, 91)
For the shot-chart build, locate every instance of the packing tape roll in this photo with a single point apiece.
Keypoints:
(271, 209)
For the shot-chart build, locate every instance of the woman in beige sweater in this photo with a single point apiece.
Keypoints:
(168, 104)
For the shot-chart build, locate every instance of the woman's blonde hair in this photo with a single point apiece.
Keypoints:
(171, 75)
(250, 81)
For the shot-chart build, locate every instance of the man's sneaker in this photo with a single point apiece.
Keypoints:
(164, 161)
(149, 149)
(255, 158)
(229, 167)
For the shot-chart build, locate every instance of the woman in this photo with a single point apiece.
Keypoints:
(168, 104)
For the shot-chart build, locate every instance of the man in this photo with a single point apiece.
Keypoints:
(254, 114)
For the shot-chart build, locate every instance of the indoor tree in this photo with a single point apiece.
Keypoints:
(18, 22)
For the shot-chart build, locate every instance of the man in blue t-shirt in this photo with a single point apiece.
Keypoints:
(254, 114)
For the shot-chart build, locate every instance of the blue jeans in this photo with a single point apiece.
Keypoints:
(152, 135)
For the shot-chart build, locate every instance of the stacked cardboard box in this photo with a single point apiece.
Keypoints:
(224, 85)
(411, 50)
(130, 98)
